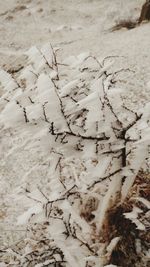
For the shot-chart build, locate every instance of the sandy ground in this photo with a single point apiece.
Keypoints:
(75, 26)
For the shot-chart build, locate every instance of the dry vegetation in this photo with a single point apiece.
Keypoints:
(128, 24)
(127, 253)
(132, 23)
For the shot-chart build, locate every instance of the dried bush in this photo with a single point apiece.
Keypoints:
(96, 146)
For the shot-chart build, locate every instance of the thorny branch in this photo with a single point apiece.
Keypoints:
(25, 115)
(71, 231)
(95, 59)
(54, 65)
(44, 112)
(104, 178)
(78, 135)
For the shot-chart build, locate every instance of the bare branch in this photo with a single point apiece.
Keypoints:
(104, 178)
(44, 112)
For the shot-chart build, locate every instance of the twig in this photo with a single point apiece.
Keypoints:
(104, 178)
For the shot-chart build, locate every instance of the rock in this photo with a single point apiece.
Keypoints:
(145, 12)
